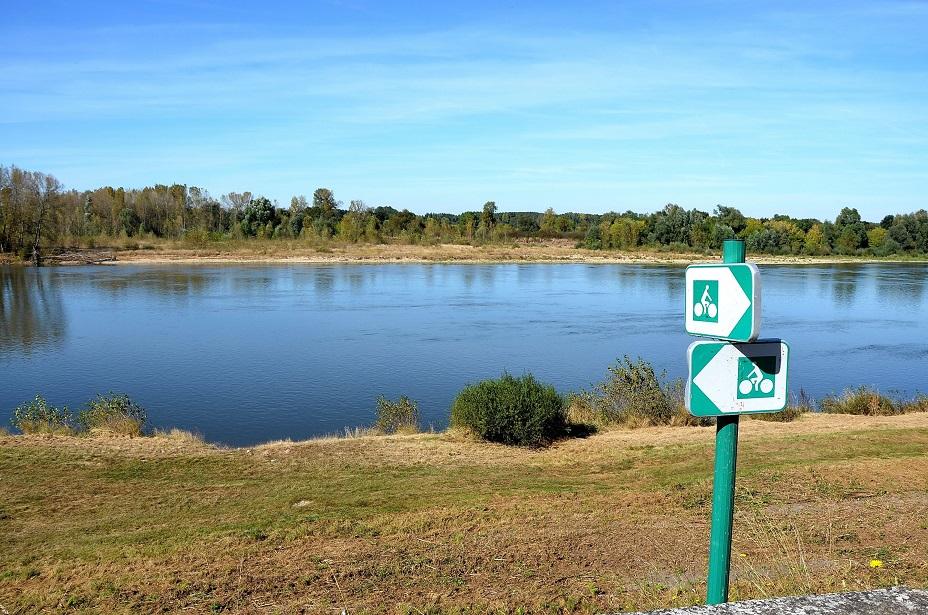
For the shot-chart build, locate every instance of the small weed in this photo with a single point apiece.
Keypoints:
(74, 601)
(692, 496)
(401, 416)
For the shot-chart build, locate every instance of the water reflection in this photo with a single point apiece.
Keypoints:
(844, 284)
(31, 310)
(159, 282)
(902, 284)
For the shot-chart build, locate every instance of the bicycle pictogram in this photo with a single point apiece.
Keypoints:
(756, 377)
(706, 296)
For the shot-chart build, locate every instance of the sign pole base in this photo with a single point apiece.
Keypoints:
(723, 508)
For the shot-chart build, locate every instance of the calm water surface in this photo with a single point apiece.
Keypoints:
(244, 354)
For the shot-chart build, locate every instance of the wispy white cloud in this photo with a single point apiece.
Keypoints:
(421, 77)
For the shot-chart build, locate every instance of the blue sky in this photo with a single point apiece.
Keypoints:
(797, 108)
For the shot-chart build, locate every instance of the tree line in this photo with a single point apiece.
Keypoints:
(36, 211)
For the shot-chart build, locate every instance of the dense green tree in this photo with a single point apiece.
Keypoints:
(354, 223)
(851, 231)
(730, 217)
(129, 222)
(526, 223)
(488, 216)
(256, 216)
(594, 238)
(720, 232)
(547, 223)
(324, 200)
(814, 242)
(847, 217)
(669, 225)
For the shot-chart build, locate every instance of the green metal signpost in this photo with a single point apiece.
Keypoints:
(728, 379)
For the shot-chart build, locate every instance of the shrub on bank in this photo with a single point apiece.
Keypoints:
(401, 416)
(37, 416)
(634, 395)
(520, 411)
(114, 413)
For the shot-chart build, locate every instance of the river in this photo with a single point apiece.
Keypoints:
(250, 353)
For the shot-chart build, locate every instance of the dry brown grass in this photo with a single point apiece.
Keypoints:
(179, 435)
(114, 426)
(439, 523)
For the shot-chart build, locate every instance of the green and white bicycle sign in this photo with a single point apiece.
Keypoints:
(727, 378)
(723, 301)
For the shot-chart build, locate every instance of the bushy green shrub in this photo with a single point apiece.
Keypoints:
(37, 416)
(114, 413)
(520, 411)
(863, 401)
(401, 416)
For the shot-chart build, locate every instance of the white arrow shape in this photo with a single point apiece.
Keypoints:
(732, 301)
(718, 379)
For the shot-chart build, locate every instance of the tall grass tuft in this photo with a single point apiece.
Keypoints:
(400, 416)
(179, 435)
(861, 401)
(633, 395)
(797, 407)
(37, 416)
(113, 413)
(919, 404)
(519, 411)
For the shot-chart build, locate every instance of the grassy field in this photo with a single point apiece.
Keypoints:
(436, 523)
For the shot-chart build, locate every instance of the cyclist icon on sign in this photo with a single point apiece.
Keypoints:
(706, 306)
(755, 382)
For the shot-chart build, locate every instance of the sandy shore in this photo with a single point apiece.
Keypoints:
(548, 252)
(290, 252)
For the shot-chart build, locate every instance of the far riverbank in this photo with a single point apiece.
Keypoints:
(297, 251)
